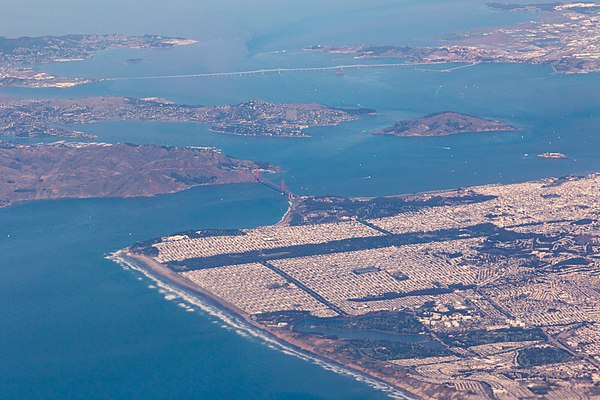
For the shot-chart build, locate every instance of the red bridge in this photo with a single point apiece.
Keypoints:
(278, 187)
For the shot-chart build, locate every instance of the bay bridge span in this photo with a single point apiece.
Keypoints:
(263, 71)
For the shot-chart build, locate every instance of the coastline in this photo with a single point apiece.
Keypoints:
(241, 322)
(398, 383)
(286, 217)
(382, 132)
(303, 136)
(133, 196)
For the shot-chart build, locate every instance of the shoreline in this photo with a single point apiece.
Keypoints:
(303, 136)
(396, 383)
(122, 197)
(241, 322)
(286, 217)
(382, 132)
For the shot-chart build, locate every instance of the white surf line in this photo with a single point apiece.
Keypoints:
(243, 329)
(272, 71)
(287, 212)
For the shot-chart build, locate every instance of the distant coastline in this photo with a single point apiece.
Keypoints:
(214, 130)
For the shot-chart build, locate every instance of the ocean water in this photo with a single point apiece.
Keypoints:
(75, 325)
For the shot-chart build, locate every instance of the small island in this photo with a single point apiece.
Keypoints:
(35, 117)
(84, 170)
(444, 124)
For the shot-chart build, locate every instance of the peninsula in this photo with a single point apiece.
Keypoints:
(487, 292)
(444, 124)
(81, 170)
(34, 117)
(19, 55)
(566, 37)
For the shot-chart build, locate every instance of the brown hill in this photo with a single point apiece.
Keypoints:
(443, 124)
(79, 170)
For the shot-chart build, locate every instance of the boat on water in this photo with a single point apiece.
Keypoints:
(552, 155)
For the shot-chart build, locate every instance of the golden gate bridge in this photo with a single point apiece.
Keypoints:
(278, 187)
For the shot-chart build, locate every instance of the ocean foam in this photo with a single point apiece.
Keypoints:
(245, 330)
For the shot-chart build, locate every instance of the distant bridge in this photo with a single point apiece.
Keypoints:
(339, 68)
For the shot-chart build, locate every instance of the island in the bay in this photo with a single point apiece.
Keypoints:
(52, 117)
(444, 124)
(486, 292)
(83, 170)
(19, 55)
(566, 36)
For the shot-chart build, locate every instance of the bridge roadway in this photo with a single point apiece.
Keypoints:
(279, 70)
(278, 188)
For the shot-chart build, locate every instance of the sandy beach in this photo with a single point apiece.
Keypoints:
(237, 318)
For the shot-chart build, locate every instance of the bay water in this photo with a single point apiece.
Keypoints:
(75, 325)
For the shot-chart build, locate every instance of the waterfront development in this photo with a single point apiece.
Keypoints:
(501, 287)
(18, 55)
(32, 118)
(483, 292)
(566, 37)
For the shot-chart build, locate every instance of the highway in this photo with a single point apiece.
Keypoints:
(304, 288)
